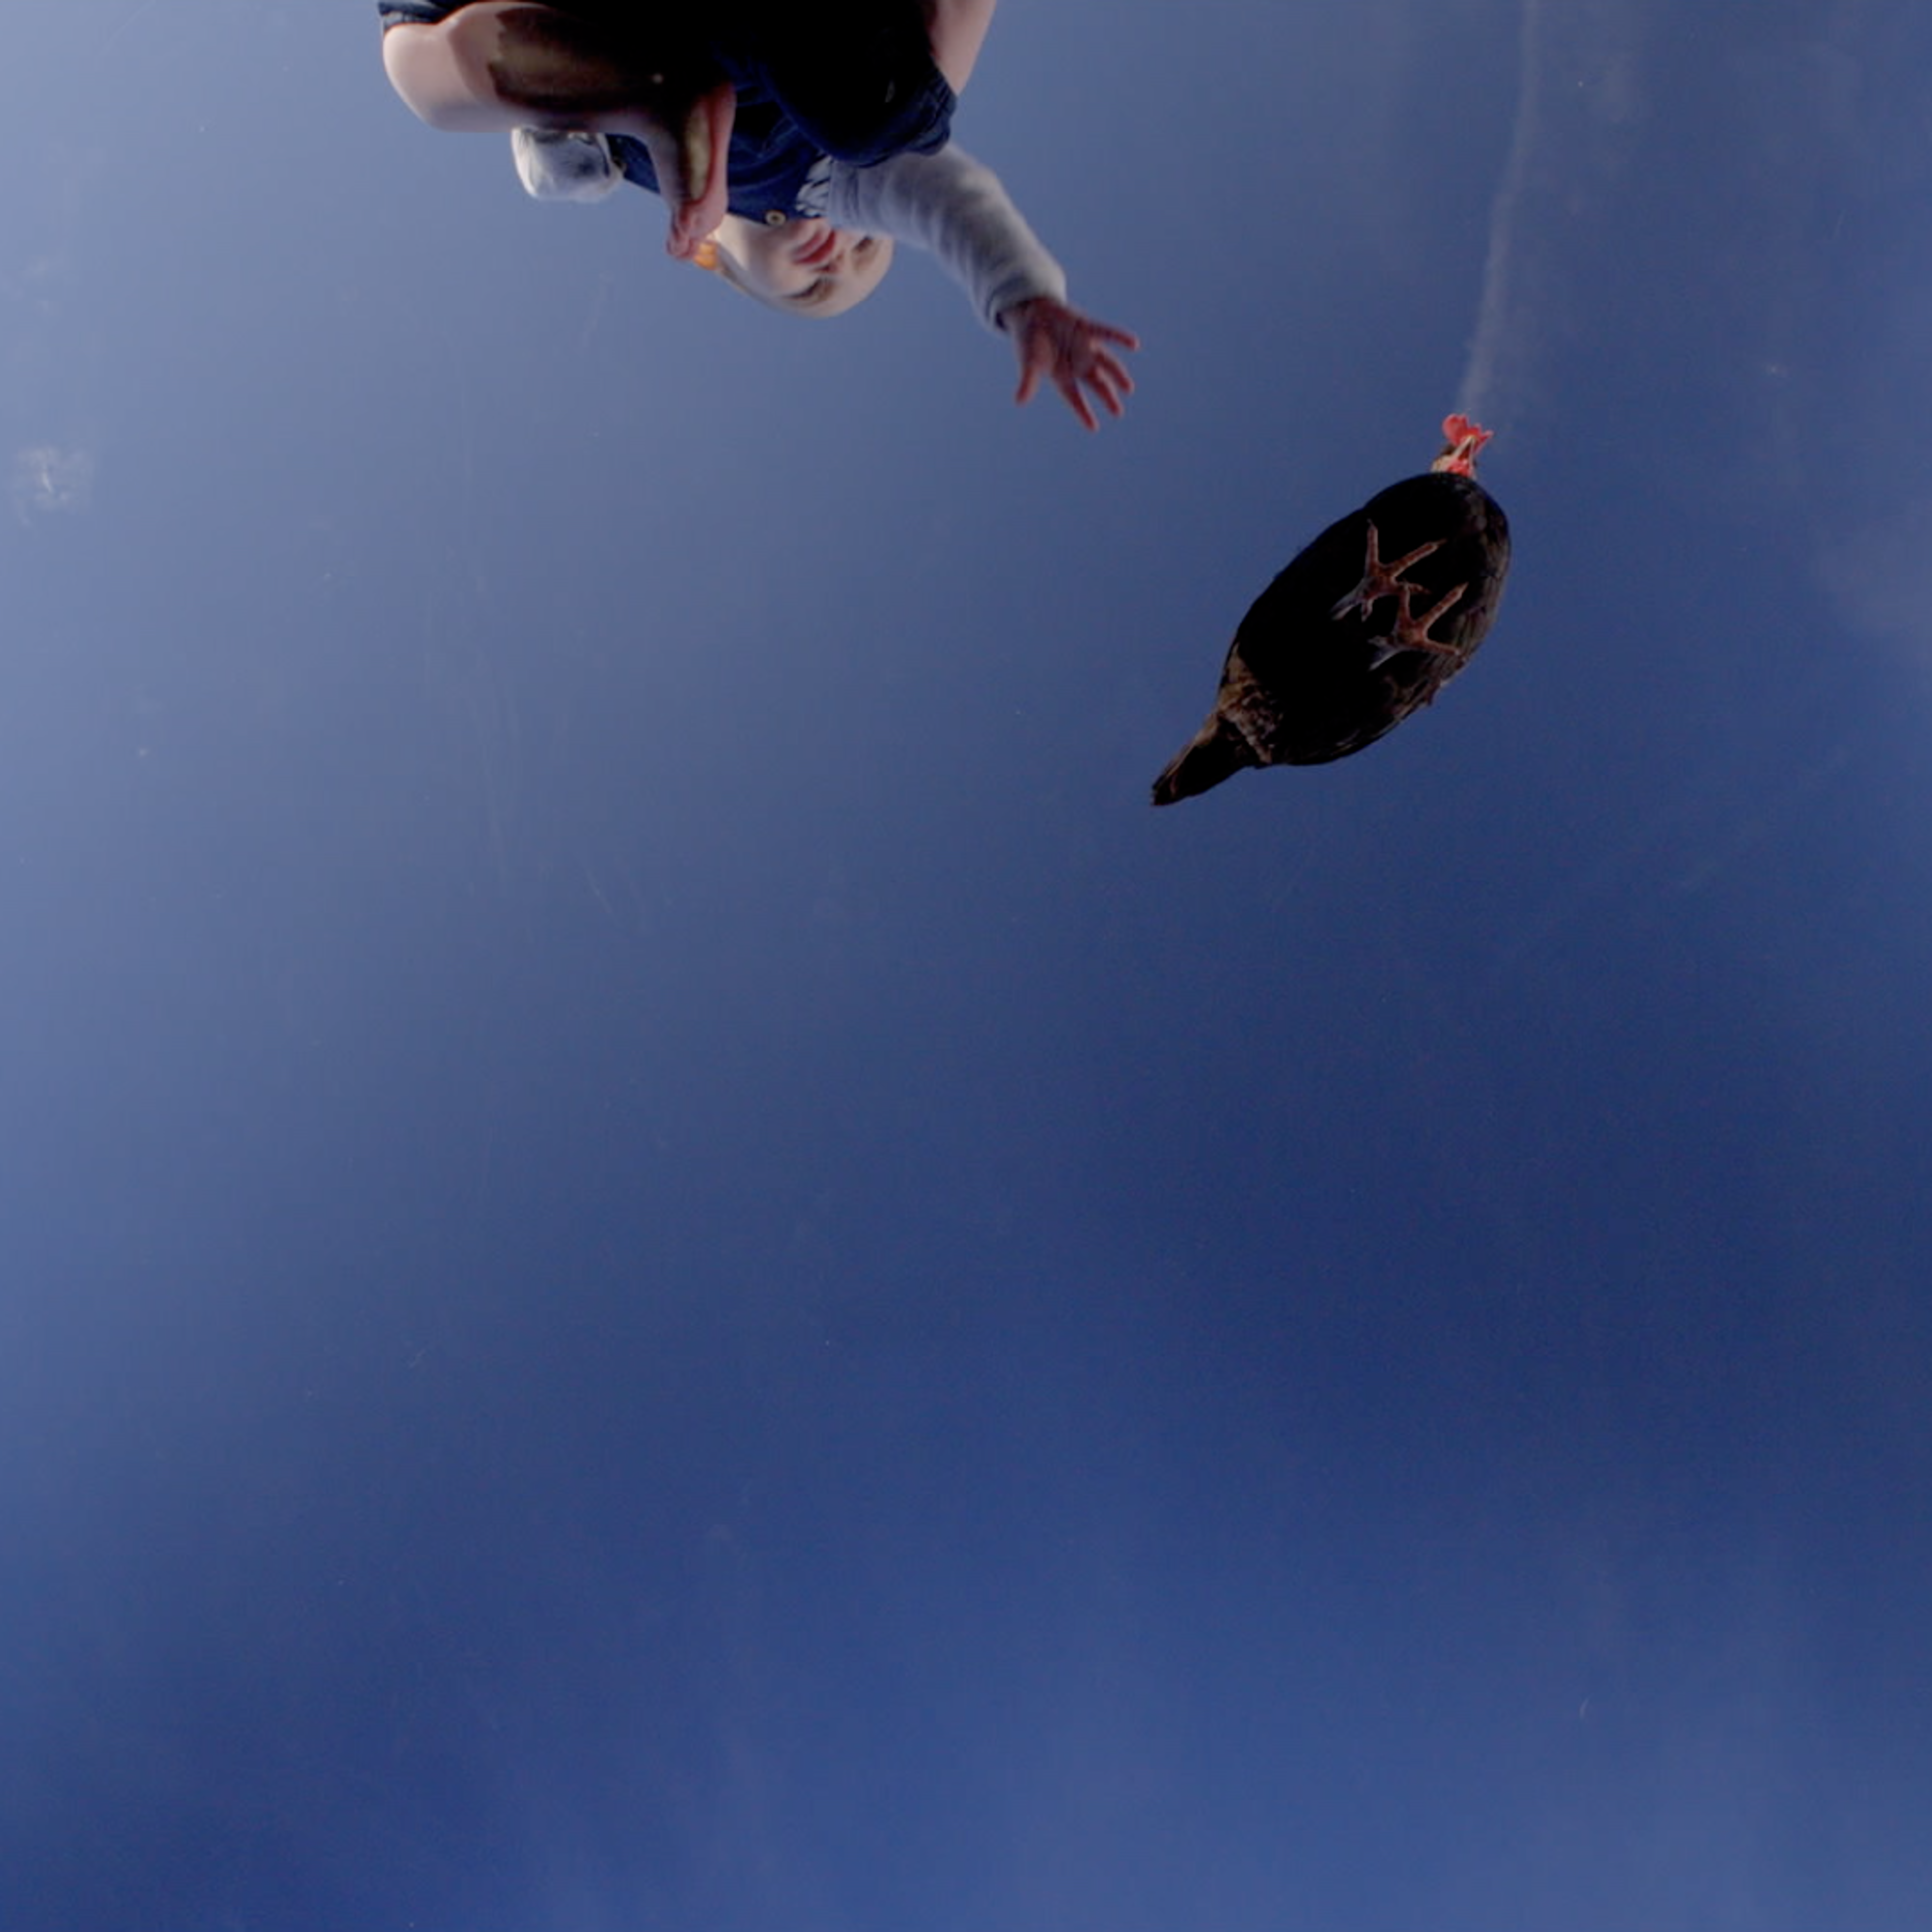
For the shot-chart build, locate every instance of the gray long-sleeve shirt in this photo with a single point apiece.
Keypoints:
(956, 209)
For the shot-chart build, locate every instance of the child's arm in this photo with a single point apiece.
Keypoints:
(956, 209)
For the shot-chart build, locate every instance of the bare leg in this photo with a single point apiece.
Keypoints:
(498, 65)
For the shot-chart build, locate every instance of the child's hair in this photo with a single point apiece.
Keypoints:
(562, 164)
(713, 256)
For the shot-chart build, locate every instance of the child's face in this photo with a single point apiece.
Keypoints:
(806, 267)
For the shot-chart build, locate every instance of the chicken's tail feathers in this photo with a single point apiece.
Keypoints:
(1216, 752)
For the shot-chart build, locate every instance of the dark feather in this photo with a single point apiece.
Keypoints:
(1309, 677)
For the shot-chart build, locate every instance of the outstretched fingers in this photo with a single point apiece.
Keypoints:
(1106, 332)
(1107, 376)
(1102, 372)
(1069, 386)
(1059, 344)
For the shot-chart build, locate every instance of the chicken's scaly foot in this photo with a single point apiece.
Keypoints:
(1380, 580)
(1411, 633)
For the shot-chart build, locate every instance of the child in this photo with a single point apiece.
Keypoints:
(828, 147)
(826, 261)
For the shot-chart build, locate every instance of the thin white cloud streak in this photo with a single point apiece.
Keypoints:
(1476, 394)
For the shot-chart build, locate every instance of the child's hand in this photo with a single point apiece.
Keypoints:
(690, 149)
(1068, 349)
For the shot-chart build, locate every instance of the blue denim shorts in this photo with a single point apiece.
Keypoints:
(856, 77)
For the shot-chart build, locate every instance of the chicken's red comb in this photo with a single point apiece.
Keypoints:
(1457, 429)
(1463, 438)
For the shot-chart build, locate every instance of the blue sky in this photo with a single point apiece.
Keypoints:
(664, 1263)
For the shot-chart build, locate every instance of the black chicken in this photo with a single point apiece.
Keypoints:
(1365, 626)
